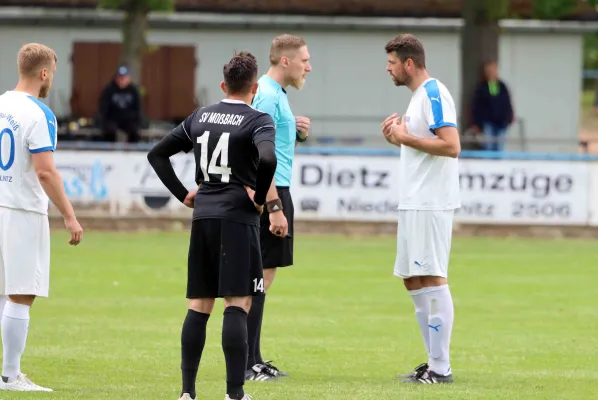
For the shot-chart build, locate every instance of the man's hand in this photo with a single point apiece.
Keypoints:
(190, 199)
(75, 229)
(303, 124)
(278, 224)
(251, 194)
(394, 129)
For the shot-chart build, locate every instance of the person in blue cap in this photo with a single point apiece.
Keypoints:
(120, 107)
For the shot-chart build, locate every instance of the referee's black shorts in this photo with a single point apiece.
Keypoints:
(224, 260)
(277, 251)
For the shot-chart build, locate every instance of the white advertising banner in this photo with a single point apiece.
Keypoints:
(349, 188)
(492, 191)
(121, 182)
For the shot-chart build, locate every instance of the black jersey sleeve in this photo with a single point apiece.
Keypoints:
(159, 159)
(264, 129)
(265, 170)
(183, 132)
(264, 134)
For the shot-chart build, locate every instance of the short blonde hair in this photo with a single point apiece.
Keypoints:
(34, 56)
(283, 43)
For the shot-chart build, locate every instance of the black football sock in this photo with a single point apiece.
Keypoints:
(193, 339)
(258, 340)
(254, 324)
(234, 345)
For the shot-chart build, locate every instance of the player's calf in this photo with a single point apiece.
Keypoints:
(15, 326)
(269, 275)
(234, 344)
(193, 339)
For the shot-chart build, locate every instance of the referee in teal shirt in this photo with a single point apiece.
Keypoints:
(289, 66)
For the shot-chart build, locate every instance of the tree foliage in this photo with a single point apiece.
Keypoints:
(134, 28)
(138, 5)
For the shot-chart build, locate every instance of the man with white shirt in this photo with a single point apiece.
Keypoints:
(429, 194)
(28, 176)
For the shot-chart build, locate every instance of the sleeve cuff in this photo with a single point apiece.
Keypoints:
(41, 149)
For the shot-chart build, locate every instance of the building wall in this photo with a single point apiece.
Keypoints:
(349, 91)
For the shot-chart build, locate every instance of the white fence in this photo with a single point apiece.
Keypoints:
(352, 188)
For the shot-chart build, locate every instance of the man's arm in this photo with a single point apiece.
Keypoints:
(51, 181)
(441, 116)
(41, 143)
(176, 141)
(265, 131)
(265, 173)
(446, 143)
(272, 192)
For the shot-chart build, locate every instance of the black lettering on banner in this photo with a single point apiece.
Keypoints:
(358, 205)
(541, 210)
(538, 185)
(314, 175)
(345, 178)
(476, 210)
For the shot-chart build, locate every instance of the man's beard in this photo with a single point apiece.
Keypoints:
(298, 84)
(404, 81)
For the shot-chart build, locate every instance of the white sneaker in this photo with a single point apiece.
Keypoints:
(186, 396)
(22, 384)
(246, 397)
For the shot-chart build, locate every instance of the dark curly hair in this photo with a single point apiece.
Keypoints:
(407, 46)
(240, 73)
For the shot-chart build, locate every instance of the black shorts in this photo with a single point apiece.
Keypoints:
(277, 251)
(224, 260)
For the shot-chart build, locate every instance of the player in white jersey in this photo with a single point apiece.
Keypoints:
(28, 176)
(428, 196)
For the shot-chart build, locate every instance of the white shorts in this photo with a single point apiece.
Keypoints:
(423, 243)
(24, 253)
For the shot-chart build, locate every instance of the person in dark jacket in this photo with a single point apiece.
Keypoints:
(120, 108)
(492, 111)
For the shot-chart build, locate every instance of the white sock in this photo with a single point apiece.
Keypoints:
(2, 304)
(441, 319)
(422, 311)
(15, 325)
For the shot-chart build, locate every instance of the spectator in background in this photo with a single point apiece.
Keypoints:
(120, 108)
(492, 111)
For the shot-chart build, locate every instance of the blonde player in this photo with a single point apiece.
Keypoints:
(429, 194)
(28, 177)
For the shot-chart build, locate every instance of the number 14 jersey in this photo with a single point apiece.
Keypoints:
(223, 138)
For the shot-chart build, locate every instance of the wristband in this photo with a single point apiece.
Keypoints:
(298, 137)
(274, 205)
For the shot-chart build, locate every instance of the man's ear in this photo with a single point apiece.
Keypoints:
(223, 86)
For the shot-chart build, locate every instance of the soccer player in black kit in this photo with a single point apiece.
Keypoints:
(233, 146)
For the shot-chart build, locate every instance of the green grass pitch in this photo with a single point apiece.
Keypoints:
(526, 323)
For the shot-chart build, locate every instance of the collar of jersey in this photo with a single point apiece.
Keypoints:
(274, 83)
(424, 84)
(233, 101)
